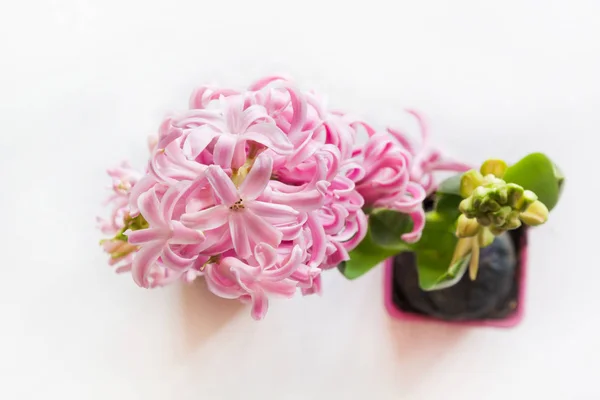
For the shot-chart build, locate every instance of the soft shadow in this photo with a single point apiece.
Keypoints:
(203, 314)
(421, 345)
(414, 337)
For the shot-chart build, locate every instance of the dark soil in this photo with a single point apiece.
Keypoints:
(493, 295)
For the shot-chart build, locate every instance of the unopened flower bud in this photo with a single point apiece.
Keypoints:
(529, 196)
(484, 220)
(478, 195)
(513, 221)
(485, 237)
(466, 227)
(515, 192)
(499, 217)
(117, 248)
(496, 231)
(497, 205)
(526, 200)
(466, 206)
(492, 180)
(489, 205)
(469, 181)
(535, 214)
(494, 167)
(500, 195)
(513, 224)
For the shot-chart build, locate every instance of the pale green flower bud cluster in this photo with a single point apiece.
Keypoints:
(491, 207)
(492, 203)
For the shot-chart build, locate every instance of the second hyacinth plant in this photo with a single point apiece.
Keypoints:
(259, 191)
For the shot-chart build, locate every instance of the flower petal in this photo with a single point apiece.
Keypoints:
(196, 118)
(269, 135)
(305, 275)
(259, 231)
(337, 218)
(261, 83)
(146, 235)
(150, 208)
(198, 139)
(204, 94)
(170, 199)
(142, 186)
(422, 125)
(175, 261)
(418, 217)
(277, 213)
(285, 270)
(300, 110)
(217, 241)
(308, 200)
(315, 288)
(222, 185)
(200, 199)
(209, 218)
(260, 304)
(338, 255)
(258, 178)
(291, 232)
(224, 149)
(143, 262)
(239, 154)
(239, 234)
(234, 113)
(163, 277)
(265, 255)
(411, 199)
(239, 271)
(361, 224)
(184, 235)
(285, 288)
(252, 114)
(319, 240)
(123, 268)
(168, 135)
(450, 165)
(402, 139)
(220, 285)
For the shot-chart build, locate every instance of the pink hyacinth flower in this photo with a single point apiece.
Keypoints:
(260, 190)
(232, 128)
(163, 233)
(267, 274)
(426, 159)
(250, 221)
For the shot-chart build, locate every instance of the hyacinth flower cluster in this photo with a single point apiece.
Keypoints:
(259, 191)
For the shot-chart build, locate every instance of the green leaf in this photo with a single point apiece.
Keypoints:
(382, 241)
(362, 259)
(435, 250)
(447, 205)
(433, 275)
(450, 185)
(447, 197)
(560, 178)
(387, 227)
(536, 172)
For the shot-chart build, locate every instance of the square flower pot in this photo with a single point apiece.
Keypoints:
(508, 312)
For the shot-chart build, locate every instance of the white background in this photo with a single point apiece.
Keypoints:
(82, 82)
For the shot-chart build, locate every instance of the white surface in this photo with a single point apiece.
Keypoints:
(81, 84)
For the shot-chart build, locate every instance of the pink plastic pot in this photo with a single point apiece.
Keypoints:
(510, 321)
